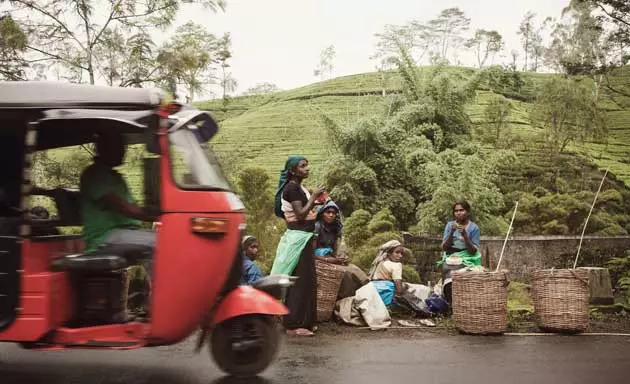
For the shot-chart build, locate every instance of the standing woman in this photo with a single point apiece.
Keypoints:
(295, 253)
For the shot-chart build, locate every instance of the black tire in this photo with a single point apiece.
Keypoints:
(260, 330)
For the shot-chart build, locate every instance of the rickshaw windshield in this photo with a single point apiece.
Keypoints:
(195, 165)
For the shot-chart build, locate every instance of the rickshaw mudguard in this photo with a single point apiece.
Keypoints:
(245, 300)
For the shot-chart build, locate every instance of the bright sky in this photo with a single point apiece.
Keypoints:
(279, 41)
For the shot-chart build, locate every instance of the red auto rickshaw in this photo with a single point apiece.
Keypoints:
(53, 296)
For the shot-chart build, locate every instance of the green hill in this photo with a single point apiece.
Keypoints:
(263, 130)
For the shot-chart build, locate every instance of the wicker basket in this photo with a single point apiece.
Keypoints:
(328, 283)
(561, 299)
(480, 302)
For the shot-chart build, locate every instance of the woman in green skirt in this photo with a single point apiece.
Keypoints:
(295, 253)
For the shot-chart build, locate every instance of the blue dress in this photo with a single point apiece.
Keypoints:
(251, 271)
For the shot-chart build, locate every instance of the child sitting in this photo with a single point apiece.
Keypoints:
(251, 271)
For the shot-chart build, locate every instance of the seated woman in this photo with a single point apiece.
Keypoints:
(460, 244)
(461, 237)
(251, 271)
(386, 271)
(328, 230)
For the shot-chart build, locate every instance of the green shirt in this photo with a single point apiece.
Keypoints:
(99, 220)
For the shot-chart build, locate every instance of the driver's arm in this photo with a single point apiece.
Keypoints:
(126, 208)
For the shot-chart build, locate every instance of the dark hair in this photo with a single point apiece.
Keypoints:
(105, 141)
(249, 241)
(464, 205)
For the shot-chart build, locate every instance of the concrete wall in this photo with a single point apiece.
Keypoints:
(523, 254)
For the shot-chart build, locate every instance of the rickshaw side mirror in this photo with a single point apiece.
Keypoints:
(151, 170)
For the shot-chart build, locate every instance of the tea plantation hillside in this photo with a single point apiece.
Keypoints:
(262, 130)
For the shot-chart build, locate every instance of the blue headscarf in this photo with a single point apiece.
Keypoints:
(337, 224)
(291, 163)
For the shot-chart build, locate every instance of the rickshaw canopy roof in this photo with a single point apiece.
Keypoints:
(47, 95)
(72, 114)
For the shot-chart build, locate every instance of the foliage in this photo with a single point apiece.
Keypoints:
(13, 42)
(55, 38)
(188, 58)
(364, 233)
(532, 40)
(254, 188)
(617, 14)
(619, 268)
(402, 160)
(485, 43)
(456, 176)
(326, 65)
(434, 40)
(497, 114)
(568, 113)
(565, 214)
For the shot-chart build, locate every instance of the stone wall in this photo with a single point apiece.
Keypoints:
(523, 254)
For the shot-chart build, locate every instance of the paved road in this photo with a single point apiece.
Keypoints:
(362, 358)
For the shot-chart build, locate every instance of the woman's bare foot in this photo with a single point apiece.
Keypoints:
(299, 332)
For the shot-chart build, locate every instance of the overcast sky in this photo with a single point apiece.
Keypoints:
(279, 41)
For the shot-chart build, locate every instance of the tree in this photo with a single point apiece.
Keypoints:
(497, 114)
(449, 27)
(616, 13)
(384, 156)
(568, 113)
(188, 59)
(537, 47)
(261, 89)
(532, 40)
(71, 32)
(128, 61)
(415, 36)
(325, 66)
(13, 42)
(224, 54)
(485, 43)
(525, 30)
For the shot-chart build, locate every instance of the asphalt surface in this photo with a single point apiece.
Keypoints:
(362, 358)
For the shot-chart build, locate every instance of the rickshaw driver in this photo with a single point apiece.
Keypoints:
(109, 212)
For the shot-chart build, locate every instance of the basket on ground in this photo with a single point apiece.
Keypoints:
(328, 283)
(561, 299)
(480, 302)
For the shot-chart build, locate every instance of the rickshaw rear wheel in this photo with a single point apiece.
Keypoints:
(245, 346)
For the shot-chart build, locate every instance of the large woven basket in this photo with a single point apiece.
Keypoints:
(328, 283)
(561, 299)
(480, 302)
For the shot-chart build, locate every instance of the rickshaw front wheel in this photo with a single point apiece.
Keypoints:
(245, 346)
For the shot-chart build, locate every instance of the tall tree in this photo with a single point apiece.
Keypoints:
(485, 43)
(616, 13)
(525, 30)
(228, 83)
(449, 28)
(537, 47)
(128, 61)
(13, 42)
(326, 64)
(188, 58)
(71, 32)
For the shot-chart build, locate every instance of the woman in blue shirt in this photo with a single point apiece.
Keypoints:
(461, 236)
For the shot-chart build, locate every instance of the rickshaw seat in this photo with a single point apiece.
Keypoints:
(106, 258)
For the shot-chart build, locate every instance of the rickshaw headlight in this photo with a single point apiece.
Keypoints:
(208, 225)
